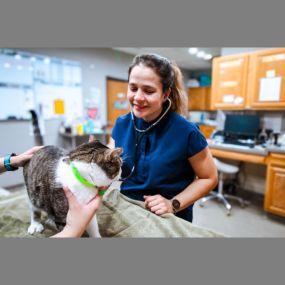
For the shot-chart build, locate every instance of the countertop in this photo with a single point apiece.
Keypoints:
(258, 150)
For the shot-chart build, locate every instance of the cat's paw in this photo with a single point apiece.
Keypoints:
(35, 227)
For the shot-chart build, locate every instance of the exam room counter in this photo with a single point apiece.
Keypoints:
(273, 157)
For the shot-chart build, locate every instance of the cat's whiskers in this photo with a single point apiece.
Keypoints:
(125, 158)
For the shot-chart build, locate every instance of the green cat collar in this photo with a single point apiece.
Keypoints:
(83, 181)
(7, 163)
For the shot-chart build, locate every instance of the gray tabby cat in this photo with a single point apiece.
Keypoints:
(86, 171)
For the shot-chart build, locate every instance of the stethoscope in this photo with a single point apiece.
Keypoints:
(139, 134)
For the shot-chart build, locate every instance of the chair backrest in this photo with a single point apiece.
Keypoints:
(225, 167)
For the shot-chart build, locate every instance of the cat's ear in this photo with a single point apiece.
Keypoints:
(117, 151)
(66, 160)
(114, 152)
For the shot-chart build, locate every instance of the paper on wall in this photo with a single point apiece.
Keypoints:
(229, 98)
(269, 89)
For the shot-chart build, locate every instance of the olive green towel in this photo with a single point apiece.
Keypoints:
(119, 216)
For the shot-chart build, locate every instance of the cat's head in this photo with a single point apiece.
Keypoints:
(109, 160)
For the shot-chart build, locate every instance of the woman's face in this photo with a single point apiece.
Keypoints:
(145, 93)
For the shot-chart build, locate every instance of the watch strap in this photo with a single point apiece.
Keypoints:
(7, 162)
(175, 205)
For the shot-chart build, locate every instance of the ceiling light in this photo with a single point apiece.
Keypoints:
(18, 57)
(7, 65)
(47, 60)
(19, 67)
(33, 59)
(207, 56)
(192, 50)
(200, 54)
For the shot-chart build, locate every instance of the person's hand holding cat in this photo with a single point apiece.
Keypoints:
(79, 215)
(21, 159)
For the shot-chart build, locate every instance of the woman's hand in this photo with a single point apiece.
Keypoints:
(158, 204)
(79, 215)
(21, 159)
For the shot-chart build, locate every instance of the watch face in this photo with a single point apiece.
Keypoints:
(176, 204)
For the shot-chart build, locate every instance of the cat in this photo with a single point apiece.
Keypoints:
(51, 168)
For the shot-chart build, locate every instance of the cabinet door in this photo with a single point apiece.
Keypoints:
(208, 98)
(267, 79)
(199, 98)
(275, 189)
(196, 98)
(229, 82)
(207, 130)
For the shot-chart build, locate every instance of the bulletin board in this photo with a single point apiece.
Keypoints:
(51, 86)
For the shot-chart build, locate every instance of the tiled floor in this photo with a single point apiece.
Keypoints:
(251, 221)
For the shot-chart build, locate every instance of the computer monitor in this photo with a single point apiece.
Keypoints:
(245, 125)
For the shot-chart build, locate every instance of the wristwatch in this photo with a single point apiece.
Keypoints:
(7, 163)
(175, 205)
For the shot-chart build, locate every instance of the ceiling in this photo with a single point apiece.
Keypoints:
(180, 55)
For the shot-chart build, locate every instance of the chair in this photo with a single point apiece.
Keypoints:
(223, 168)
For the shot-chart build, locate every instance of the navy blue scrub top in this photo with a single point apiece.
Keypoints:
(162, 165)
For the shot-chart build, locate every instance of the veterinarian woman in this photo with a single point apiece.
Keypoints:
(167, 163)
(12, 161)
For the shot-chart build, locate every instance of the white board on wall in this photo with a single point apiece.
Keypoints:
(16, 102)
(36, 81)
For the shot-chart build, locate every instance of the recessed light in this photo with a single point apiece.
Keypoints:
(47, 60)
(193, 50)
(18, 57)
(7, 65)
(207, 56)
(200, 54)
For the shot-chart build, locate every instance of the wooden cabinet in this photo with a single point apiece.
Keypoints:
(229, 84)
(199, 98)
(275, 185)
(207, 130)
(266, 84)
(253, 80)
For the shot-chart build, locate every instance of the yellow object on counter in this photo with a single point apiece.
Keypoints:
(79, 129)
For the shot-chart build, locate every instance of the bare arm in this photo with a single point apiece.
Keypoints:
(2, 168)
(19, 160)
(78, 216)
(207, 178)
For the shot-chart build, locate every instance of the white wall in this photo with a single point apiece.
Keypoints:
(233, 50)
(14, 135)
(97, 64)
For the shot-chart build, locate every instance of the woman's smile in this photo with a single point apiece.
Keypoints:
(139, 107)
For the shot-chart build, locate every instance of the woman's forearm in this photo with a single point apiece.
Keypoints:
(67, 233)
(195, 191)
